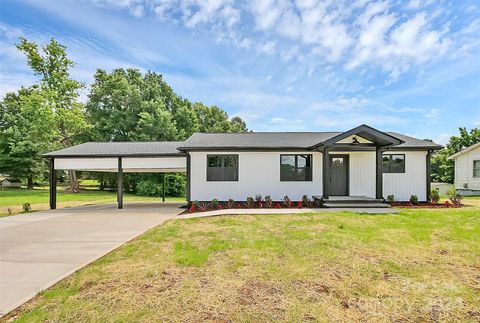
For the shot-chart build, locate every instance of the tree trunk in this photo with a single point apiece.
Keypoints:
(74, 185)
(30, 182)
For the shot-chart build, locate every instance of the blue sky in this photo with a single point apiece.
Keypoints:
(405, 66)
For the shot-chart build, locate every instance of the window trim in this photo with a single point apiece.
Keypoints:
(221, 180)
(475, 168)
(390, 161)
(296, 167)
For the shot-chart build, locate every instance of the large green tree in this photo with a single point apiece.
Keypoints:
(27, 129)
(52, 64)
(128, 105)
(443, 169)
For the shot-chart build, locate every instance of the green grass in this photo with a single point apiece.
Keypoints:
(39, 198)
(417, 265)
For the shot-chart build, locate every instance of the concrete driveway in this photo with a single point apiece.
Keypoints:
(39, 249)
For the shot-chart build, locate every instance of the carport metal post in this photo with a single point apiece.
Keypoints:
(163, 187)
(53, 185)
(120, 184)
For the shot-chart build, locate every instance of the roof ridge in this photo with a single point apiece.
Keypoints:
(127, 142)
(260, 132)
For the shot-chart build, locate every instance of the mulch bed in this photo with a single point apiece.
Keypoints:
(426, 205)
(237, 206)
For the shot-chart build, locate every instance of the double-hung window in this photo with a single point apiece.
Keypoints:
(393, 163)
(476, 168)
(295, 168)
(222, 168)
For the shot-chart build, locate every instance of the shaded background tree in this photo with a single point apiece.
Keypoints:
(27, 129)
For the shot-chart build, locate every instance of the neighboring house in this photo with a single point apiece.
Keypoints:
(6, 182)
(361, 162)
(467, 170)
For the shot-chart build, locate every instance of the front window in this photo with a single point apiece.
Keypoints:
(222, 168)
(295, 167)
(476, 168)
(393, 163)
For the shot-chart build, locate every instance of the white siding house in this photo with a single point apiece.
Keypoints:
(259, 173)
(362, 162)
(467, 170)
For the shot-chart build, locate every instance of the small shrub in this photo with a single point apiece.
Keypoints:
(193, 208)
(414, 199)
(27, 207)
(214, 204)
(278, 206)
(299, 204)
(250, 203)
(435, 196)
(197, 204)
(258, 198)
(203, 206)
(391, 199)
(239, 206)
(287, 202)
(341, 226)
(230, 203)
(454, 196)
(268, 201)
(306, 202)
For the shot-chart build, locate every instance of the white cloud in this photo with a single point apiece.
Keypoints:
(341, 103)
(414, 4)
(443, 138)
(356, 34)
(267, 48)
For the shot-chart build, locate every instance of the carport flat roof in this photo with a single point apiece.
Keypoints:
(120, 149)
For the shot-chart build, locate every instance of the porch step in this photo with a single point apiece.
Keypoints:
(351, 202)
(352, 199)
(356, 205)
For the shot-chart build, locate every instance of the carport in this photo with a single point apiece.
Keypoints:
(118, 157)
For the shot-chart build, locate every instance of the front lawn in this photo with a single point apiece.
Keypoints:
(418, 265)
(39, 198)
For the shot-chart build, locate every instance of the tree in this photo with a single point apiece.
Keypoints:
(127, 105)
(52, 64)
(443, 169)
(27, 130)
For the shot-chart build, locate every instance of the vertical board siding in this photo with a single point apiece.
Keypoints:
(362, 174)
(258, 173)
(412, 182)
(464, 170)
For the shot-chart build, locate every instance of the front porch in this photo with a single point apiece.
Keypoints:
(339, 173)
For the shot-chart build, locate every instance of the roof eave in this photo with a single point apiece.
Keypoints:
(464, 151)
(179, 154)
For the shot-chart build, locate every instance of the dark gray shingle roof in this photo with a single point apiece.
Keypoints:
(119, 149)
(257, 140)
(411, 142)
(264, 140)
(249, 140)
